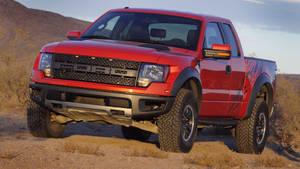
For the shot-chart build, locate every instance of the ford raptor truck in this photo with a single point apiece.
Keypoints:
(154, 71)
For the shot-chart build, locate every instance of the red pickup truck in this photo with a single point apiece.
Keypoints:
(154, 71)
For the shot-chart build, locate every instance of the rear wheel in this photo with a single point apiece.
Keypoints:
(252, 133)
(40, 124)
(135, 133)
(177, 129)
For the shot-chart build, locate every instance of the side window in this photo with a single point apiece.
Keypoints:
(212, 35)
(231, 40)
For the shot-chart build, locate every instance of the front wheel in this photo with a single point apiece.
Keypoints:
(252, 133)
(40, 124)
(177, 129)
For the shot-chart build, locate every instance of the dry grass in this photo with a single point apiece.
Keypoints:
(70, 147)
(285, 123)
(14, 81)
(9, 155)
(21, 44)
(147, 153)
(19, 136)
(269, 161)
(215, 161)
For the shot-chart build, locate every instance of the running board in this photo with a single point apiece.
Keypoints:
(217, 122)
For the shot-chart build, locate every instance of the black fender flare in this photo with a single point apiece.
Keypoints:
(259, 83)
(184, 76)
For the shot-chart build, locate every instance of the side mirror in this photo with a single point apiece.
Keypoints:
(73, 35)
(218, 51)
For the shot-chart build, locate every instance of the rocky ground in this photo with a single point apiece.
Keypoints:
(86, 145)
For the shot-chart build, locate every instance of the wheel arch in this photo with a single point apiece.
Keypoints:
(262, 88)
(188, 79)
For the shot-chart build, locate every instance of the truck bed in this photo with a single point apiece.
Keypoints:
(255, 67)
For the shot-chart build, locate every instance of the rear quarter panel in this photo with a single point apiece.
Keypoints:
(255, 68)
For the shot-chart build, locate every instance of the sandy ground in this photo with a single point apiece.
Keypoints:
(87, 145)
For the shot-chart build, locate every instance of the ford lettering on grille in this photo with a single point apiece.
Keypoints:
(95, 69)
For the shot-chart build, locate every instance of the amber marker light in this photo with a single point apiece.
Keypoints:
(223, 54)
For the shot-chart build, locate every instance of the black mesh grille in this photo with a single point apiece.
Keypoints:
(71, 73)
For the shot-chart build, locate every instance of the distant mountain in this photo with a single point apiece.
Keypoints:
(23, 31)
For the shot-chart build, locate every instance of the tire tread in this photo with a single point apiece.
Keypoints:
(245, 131)
(169, 125)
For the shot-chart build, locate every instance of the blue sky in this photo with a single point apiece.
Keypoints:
(268, 28)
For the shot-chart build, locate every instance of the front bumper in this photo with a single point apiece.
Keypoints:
(69, 100)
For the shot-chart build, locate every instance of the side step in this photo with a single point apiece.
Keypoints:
(217, 122)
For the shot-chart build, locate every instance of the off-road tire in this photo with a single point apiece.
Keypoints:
(133, 133)
(39, 122)
(246, 135)
(170, 124)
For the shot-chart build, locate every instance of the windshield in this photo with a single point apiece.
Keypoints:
(148, 28)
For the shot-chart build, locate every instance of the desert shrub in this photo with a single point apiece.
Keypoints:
(269, 161)
(9, 155)
(14, 79)
(147, 153)
(70, 147)
(216, 161)
(15, 67)
(285, 123)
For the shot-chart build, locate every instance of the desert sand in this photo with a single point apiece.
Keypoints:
(87, 145)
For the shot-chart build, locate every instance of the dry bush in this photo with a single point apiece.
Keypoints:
(20, 42)
(269, 161)
(147, 153)
(9, 155)
(70, 147)
(14, 79)
(16, 60)
(285, 123)
(216, 161)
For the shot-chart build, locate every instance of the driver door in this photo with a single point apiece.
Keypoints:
(216, 80)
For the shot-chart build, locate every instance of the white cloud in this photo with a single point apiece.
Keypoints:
(268, 1)
(243, 26)
(291, 1)
(255, 1)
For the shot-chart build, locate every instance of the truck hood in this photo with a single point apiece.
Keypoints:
(113, 49)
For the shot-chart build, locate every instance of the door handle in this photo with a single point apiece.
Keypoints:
(228, 69)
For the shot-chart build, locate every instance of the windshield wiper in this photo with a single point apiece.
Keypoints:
(159, 46)
(147, 41)
(94, 37)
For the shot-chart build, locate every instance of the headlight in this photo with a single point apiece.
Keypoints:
(45, 64)
(152, 73)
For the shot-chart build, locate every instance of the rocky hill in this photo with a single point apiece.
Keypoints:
(23, 31)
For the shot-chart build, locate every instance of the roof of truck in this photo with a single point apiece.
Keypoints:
(173, 12)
